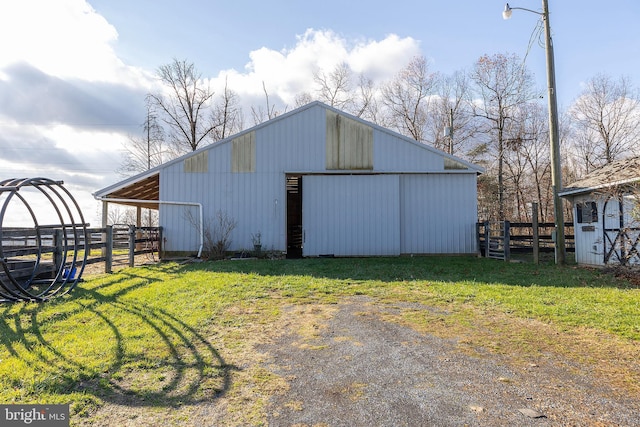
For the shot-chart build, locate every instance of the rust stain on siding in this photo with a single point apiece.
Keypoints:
(243, 153)
(450, 164)
(197, 163)
(349, 144)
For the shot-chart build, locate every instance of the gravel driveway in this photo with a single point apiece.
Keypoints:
(360, 370)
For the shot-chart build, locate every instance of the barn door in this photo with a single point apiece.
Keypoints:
(351, 215)
(613, 222)
(621, 231)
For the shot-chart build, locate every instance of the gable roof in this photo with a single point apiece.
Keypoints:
(620, 172)
(145, 186)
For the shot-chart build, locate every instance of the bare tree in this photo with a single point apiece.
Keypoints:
(502, 86)
(527, 163)
(302, 98)
(216, 232)
(147, 150)
(335, 88)
(407, 98)
(606, 121)
(451, 110)
(260, 114)
(365, 103)
(227, 118)
(186, 108)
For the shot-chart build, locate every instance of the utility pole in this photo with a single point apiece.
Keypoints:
(448, 131)
(554, 135)
(451, 131)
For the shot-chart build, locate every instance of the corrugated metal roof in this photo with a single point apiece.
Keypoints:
(620, 172)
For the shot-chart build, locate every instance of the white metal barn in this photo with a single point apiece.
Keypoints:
(605, 214)
(315, 181)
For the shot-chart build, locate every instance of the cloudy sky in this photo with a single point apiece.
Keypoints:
(74, 73)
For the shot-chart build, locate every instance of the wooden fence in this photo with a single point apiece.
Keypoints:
(499, 239)
(113, 245)
(121, 243)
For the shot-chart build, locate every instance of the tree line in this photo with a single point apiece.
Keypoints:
(493, 115)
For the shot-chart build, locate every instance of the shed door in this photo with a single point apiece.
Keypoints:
(351, 215)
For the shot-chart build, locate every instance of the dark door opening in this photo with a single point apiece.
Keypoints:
(294, 216)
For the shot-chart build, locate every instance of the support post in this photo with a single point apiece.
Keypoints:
(478, 240)
(507, 240)
(132, 245)
(139, 225)
(108, 249)
(487, 237)
(105, 221)
(536, 232)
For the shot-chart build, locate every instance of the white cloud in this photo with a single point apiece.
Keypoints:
(84, 160)
(381, 60)
(288, 72)
(62, 38)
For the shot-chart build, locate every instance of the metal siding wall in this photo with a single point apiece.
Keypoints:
(391, 153)
(351, 215)
(438, 214)
(179, 233)
(293, 145)
(257, 200)
(252, 200)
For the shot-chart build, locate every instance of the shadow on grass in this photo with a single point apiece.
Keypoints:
(425, 268)
(129, 353)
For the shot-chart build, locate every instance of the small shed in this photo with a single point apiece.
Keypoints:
(312, 182)
(606, 215)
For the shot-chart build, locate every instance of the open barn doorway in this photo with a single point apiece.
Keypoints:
(294, 216)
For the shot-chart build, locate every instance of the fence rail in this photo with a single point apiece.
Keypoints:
(117, 244)
(505, 238)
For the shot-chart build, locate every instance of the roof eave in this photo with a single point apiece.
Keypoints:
(582, 190)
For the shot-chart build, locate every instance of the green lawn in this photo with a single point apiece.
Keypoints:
(169, 336)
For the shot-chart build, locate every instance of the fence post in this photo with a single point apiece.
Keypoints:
(108, 249)
(160, 244)
(478, 240)
(536, 231)
(132, 245)
(487, 237)
(507, 240)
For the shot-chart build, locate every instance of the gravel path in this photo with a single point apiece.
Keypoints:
(359, 370)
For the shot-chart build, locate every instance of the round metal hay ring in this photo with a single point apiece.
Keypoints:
(21, 276)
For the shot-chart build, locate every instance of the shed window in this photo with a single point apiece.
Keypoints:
(587, 212)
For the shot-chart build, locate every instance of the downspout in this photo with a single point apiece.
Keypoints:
(165, 202)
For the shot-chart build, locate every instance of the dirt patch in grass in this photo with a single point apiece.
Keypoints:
(404, 364)
(364, 362)
(119, 262)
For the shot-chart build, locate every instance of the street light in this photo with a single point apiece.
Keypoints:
(554, 136)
